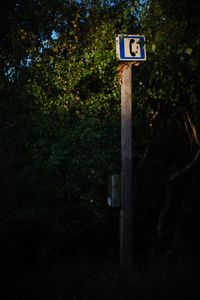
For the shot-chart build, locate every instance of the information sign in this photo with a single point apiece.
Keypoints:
(130, 47)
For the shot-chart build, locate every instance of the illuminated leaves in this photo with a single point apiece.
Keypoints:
(188, 51)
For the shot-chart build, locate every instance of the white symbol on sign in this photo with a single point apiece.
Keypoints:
(132, 47)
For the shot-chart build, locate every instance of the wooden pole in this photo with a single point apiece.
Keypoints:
(126, 249)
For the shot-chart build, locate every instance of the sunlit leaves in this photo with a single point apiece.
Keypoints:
(188, 51)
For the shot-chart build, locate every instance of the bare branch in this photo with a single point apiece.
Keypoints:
(190, 129)
(193, 129)
(164, 211)
(144, 156)
(186, 168)
(168, 197)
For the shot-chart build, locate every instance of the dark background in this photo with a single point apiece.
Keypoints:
(60, 140)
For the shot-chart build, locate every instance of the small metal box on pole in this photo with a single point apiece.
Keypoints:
(114, 191)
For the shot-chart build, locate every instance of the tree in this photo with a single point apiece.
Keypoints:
(59, 114)
(169, 106)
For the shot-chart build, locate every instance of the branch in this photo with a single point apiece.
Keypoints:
(193, 129)
(144, 156)
(164, 211)
(190, 129)
(169, 193)
(186, 168)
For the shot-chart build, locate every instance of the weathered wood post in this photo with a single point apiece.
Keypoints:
(130, 51)
(126, 251)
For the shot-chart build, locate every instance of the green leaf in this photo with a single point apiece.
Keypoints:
(153, 47)
(188, 51)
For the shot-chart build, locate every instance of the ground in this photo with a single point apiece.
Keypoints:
(173, 274)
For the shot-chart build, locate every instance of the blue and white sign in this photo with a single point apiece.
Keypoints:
(130, 47)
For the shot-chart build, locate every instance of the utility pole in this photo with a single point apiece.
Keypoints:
(130, 50)
(126, 248)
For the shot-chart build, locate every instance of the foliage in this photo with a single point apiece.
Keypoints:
(167, 106)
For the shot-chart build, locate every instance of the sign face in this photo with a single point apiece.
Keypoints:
(130, 47)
